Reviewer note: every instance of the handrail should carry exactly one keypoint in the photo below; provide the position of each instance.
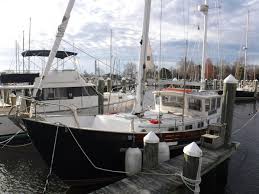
(72, 108)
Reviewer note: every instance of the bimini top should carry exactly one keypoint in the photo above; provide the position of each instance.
(45, 53)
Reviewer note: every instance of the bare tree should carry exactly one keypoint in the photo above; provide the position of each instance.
(130, 70)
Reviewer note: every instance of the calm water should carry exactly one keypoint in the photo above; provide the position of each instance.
(23, 171)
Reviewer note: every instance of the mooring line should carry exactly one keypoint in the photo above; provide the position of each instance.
(51, 163)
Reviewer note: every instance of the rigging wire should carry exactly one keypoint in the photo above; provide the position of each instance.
(218, 39)
(90, 55)
(160, 48)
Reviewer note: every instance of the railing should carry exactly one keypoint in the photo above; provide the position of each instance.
(32, 108)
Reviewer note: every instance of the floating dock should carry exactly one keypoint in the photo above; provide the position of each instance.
(159, 180)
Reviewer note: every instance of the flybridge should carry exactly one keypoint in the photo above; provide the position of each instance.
(45, 53)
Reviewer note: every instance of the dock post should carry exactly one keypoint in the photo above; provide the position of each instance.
(150, 155)
(109, 85)
(229, 94)
(100, 89)
(192, 167)
(206, 84)
(215, 84)
(6, 96)
(255, 85)
(221, 84)
(123, 84)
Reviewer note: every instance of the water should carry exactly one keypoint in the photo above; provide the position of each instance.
(23, 171)
(244, 167)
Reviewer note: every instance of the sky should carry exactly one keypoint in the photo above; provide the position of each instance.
(91, 22)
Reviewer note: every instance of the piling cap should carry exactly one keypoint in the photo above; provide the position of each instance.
(230, 80)
(100, 78)
(151, 137)
(193, 150)
(123, 78)
(108, 78)
(12, 95)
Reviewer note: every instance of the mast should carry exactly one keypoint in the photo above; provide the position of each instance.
(61, 30)
(29, 58)
(246, 46)
(204, 9)
(16, 57)
(138, 108)
(23, 51)
(111, 55)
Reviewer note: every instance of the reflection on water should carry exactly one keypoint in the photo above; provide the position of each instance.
(23, 171)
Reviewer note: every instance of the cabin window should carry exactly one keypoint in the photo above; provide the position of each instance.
(48, 94)
(60, 93)
(218, 102)
(148, 58)
(54, 93)
(187, 127)
(173, 129)
(172, 101)
(67, 93)
(195, 104)
(200, 124)
(207, 104)
(210, 106)
(213, 103)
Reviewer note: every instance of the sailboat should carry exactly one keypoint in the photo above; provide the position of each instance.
(91, 149)
(246, 90)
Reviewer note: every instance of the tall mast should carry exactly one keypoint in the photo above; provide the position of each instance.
(138, 108)
(29, 58)
(111, 55)
(23, 51)
(61, 30)
(204, 9)
(16, 58)
(246, 46)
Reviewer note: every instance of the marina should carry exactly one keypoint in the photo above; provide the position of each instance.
(126, 124)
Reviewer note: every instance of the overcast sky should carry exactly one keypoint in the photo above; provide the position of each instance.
(92, 20)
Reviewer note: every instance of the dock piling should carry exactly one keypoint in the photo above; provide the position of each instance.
(255, 87)
(109, 85)
(100, 89)
(123, 84)
(150, 155)
(192, 168)
(229, 93)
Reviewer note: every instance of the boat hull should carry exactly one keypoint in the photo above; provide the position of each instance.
(105, 149)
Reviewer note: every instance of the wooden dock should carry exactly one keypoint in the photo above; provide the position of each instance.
(158, 180)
